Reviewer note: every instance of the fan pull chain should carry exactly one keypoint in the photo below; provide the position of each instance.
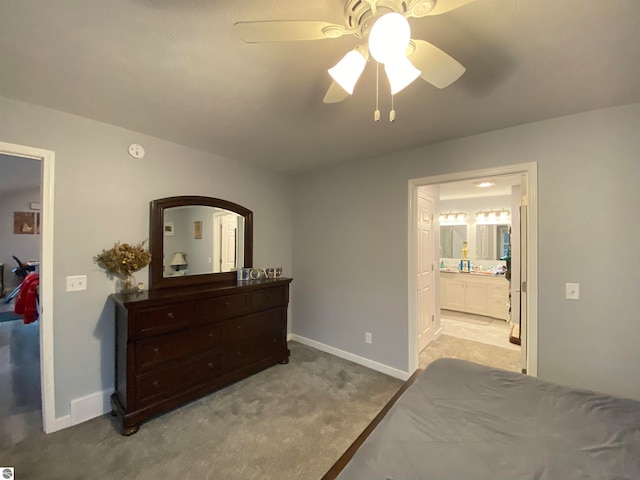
(376, 114)
(392, 113)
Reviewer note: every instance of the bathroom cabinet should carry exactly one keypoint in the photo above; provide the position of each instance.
(479, 294)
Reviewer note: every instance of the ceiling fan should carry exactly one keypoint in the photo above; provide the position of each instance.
(383, 26)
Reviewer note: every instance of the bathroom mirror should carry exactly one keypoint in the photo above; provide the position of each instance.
(492, 241)
(198, 240)
(451, 238)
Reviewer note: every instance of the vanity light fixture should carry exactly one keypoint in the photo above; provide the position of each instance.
(453, 218)
(493, 216)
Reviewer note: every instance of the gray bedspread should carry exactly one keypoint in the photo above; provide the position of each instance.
(460, 420)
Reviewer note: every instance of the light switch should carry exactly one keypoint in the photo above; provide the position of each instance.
(76, 283)
(573, 291)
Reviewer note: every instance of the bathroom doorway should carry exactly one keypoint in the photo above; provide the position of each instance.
(459, 204)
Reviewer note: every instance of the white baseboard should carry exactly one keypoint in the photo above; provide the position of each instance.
(91, 406)
(379, 367)
(60, 423)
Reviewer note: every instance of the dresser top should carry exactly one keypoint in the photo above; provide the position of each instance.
(184, 293)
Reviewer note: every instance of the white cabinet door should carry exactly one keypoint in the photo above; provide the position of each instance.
(453, 298)
(477, 296)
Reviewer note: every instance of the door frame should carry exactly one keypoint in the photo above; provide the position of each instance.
(531, 334)
(47, 384)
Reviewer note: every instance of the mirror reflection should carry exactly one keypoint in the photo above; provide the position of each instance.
(200, 239)
(492, 241)
(451, 239)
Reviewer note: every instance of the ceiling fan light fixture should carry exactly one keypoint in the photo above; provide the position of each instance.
(348, 70)
(401, 73)
(389, 37)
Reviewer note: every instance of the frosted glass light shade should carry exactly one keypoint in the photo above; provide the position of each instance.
(400, 72)
(348, 70)
(389, 37)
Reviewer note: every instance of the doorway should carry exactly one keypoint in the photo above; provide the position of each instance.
(45, 325)
(526, 285)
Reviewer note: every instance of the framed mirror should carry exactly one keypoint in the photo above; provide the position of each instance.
(451, 238)
(492, 241)
(197, 240)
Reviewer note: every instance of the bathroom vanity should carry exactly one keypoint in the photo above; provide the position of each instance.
(477, 293)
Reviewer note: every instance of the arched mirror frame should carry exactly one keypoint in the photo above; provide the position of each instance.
(156, 241)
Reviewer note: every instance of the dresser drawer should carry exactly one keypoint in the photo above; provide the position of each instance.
(156, 350)
(268, 297)
(168, 318)
(165, 382)
(219, 308)
(257, 324)
(256, 348)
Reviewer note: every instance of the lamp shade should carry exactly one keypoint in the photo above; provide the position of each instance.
(400, 72)
(389, 37)
(348, 70)
(178, 260)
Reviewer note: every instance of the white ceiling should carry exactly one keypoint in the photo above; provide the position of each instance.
(502, 185)
(177, 70)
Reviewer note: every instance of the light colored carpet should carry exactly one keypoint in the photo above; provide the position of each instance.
(289, 422)
(452, 347)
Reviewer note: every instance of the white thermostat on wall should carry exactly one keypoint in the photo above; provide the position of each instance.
(136, 151)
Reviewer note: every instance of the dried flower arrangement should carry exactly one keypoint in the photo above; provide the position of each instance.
(124, 259)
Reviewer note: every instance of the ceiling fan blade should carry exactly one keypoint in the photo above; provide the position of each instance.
(335, 94)
(438, 68)
(441, 6)
(288, 31)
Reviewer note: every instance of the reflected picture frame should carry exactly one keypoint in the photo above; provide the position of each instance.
(168, 229)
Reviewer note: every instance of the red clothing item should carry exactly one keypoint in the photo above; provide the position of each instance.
(26, 303)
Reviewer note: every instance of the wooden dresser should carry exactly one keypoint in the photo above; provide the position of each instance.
(175, 345)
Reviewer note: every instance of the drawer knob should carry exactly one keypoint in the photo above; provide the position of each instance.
(170, 315)
(210, 364)
(275, 340)
(227, 304)
(210, 334)
(155, 383)
(239, 354)
(156, 351)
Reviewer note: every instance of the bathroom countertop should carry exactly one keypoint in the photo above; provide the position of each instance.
(484, 273)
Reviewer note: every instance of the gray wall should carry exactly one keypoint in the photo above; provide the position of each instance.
(350, 245)
(101, 196)
(25, 247)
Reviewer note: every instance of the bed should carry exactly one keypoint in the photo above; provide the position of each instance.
(460, 420)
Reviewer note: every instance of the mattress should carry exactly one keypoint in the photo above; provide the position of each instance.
(460, 420)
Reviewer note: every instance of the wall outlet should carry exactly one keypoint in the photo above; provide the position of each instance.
(76, 283)
(367, 337)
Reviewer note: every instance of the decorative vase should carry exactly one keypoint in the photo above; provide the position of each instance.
(126, 284)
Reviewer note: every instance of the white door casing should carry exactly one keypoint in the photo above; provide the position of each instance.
(529, 173)
(425, 271)
(523, 286)
(47, 380)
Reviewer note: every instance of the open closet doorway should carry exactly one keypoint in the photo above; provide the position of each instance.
(42, 209)
(485, 282)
